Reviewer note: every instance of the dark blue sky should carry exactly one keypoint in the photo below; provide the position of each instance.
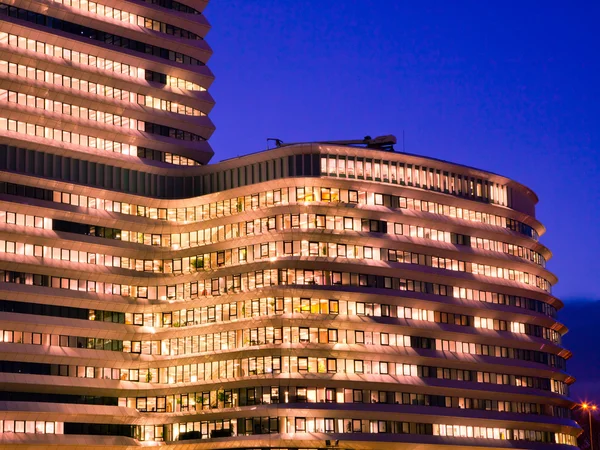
(510, 87)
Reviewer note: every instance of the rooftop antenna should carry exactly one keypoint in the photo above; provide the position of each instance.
(403, 148)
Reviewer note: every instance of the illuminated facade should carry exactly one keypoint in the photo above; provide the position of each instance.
(309, 296)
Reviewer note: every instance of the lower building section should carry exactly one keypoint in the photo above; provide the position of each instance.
(295, 312)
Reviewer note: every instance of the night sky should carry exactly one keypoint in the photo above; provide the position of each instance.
(509, 87)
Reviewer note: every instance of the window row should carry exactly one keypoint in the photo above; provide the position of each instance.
(124, 16)
(74, 83)
(83, 113)
(70, 110)
(57, 51)
(31, 426)
(242, 338)
(252, 253)
(310, 221)
(103, 37)
(174, 133)
(281, 222)
(467, 431)
(25, 220)
(415, 175)
(166, 157)
(168, 105)
(268, 395)
(73, 399)
(56, 134)
(256, 280)
(175, 82)
(467, 214)
(69, 312)
(477, 322)
(258, 336)
(198, 372)
(236, 205)
(267, 307)
(465, 293)
(458, 265)
(472, 241)
(27, 337)
(323, 194)
(294, 425)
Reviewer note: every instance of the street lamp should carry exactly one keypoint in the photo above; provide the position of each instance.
(589, 408)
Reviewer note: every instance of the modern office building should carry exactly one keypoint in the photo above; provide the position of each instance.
(310, 296)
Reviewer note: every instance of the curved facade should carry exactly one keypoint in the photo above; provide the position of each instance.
(310, 296)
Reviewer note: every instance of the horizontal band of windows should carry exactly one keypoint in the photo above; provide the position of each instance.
(417, 176)
(268, 425)
(250, 337)
(274, 169)
(208, 314)
(283, 394)
(56, 79)
(213, 287)
(56, 51)
(461, 213)
(250, 281)
(172, 81)
(165, 240)
(251, 253)
(277, 249)
(93, 115)
(273, 365)
(67, 312)
(97, 35)
(166, 157)
(304, 194)
(30, 426)
(68, 109)
(125, 16)
(255, 308)
(86, 59)
(300, 425)
(88, 113)
(255, 280)
(267, 395)
(100, 429)
(304, 221)
(56, 340)
(57, 134)
(470, 294)
(174, 133)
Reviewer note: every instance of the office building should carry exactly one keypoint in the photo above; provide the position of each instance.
(310, 296)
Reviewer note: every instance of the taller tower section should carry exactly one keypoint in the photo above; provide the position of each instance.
(111, 81)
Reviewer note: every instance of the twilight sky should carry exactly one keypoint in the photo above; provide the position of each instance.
(510, 87)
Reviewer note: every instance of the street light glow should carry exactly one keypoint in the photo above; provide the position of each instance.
(589, 407)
